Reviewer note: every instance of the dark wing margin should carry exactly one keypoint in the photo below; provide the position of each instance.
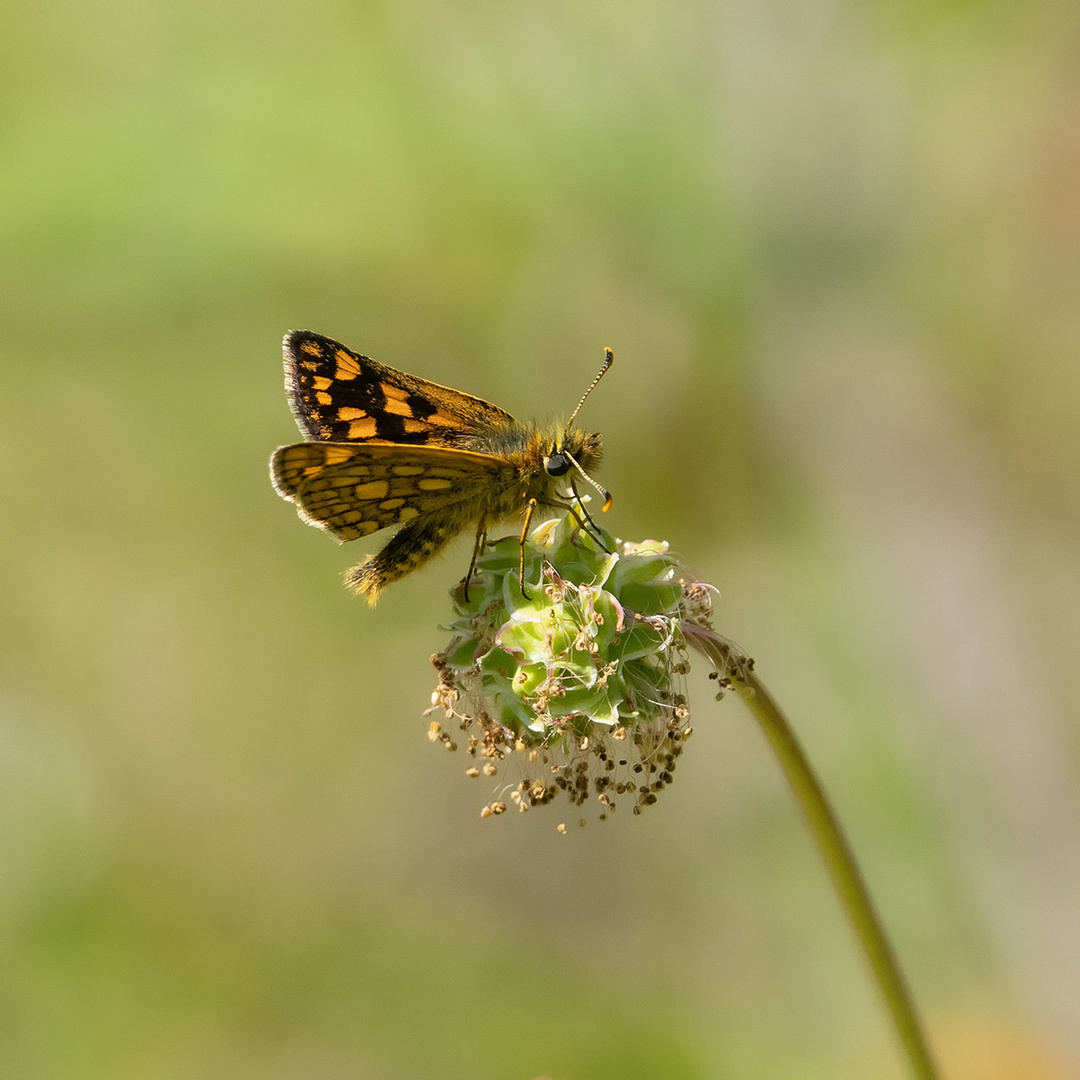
(337, 395)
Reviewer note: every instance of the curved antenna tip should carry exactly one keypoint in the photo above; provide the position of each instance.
(609, 358)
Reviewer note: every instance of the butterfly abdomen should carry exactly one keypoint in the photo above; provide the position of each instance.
(407, 550)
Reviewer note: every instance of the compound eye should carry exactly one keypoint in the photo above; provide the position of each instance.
(558, 464)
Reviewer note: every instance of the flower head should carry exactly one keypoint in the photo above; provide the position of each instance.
(575, 686)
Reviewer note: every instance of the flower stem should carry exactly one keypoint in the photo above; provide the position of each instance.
(830, 839)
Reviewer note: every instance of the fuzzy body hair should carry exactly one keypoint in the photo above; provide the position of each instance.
(523, 450)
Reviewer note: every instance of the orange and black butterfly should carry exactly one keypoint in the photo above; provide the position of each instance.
(391, 449)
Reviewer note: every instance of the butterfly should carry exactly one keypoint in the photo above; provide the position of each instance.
(390, 449)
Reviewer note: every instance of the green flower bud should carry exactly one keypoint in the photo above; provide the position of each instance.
(577, 683)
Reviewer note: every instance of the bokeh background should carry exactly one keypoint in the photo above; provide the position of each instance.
(836, 248)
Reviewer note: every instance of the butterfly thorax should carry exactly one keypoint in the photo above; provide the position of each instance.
(539, 454)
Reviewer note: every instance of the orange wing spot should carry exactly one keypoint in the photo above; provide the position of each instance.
(308, 365)
(430, 483)
(323, 398)
(352, 517)
(321, 382)
(398, 408)
(411, 426)
(311, 348)
(347, 367)
(366, 528)
(332, 455)
(407, 470)
(391, 504)
(393, 393)
(443, 420)
(362, 429)
(408, 514)
(373, 489)
(348, 412)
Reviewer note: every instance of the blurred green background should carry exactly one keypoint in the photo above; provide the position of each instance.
(836, 248)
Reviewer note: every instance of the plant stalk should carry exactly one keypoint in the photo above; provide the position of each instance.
(831, 842)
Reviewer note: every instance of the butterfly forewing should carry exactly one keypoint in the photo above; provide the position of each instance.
(354, 490)
(340, 396)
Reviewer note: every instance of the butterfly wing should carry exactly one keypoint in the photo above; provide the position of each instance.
(338, 395)
(354, 490)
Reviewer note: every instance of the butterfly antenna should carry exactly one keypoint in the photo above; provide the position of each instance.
(609, 359)
(603, 491)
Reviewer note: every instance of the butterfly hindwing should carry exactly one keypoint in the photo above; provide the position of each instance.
(354, 490)
(340, 396)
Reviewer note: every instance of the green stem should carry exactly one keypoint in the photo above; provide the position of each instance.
(830, 839)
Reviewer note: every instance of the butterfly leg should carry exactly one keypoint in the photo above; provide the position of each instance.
(572, 510)
(478, 547)
(525, 532)
(591, 528)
